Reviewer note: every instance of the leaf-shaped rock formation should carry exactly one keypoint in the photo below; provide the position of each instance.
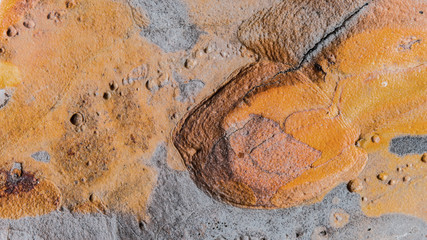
(279, 134)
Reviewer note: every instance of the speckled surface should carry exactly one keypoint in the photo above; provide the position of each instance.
(108, 107)
(179, 210)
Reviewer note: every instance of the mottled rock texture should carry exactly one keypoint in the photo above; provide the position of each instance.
(171, 119)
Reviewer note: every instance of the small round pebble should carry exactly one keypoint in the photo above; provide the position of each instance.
(376, 138)
(29, 24)
(355, 185)
(70, 4)
(406, 178)
(190, 63)
(382, 176)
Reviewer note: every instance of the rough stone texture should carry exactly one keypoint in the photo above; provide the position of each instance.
(168, 24)
(5, 96)
(328, 122)
(291, 31)
(188, 89)
(41, 156)
(212, 152)
(272, 104)
(405, 145)
(185, 212)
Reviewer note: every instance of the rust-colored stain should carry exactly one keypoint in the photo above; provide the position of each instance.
(281, 165)
(61, 66)
(282, 130)
(284, 133)
(21, 190)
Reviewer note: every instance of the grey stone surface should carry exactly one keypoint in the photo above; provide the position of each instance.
(189, 90)
(41, 156)
(180, 210)
(170, 27)
(404, 145)
(5, 96)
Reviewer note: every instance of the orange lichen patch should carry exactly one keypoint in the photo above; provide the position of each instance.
(9, 75)
(382, 49)
(48, 42)
(277, 163)
(290, 138)
(384, 198)
(279, 102)
(388, 70)
(97, 145)
(308, 127)
(21, 194)
(287, 31)
(11, 12)
(382, 96)
(211, 156)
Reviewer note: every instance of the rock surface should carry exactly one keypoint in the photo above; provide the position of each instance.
(171, 119)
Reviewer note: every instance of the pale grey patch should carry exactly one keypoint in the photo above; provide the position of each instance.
(41, 156)
(61, 225)
(5, 96)
(189, 90)
(21, 235)
(17, 166)
(169, 27)
(405, 145)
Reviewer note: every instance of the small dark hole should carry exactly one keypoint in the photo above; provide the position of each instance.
(369, 229)
(142, 225)
(318, 68)
(107, 95)
(11, 32)
(421, 12)
(77, 119)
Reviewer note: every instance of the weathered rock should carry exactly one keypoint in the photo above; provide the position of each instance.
(292, 30)
(221, 143)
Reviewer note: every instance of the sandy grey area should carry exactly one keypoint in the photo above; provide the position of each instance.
(404, 145)
(169, 25)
